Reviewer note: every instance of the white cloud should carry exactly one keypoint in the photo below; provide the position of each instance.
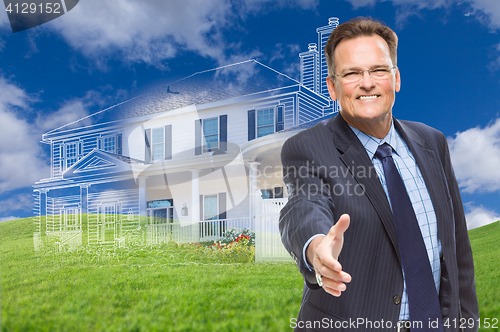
(362, 3)
(13, 95)
(69, 112)
(252, 6)
(281, 52)
(8, 218)
(77, 108)
(475, 154)
(4, 20)
(478, 216)
(23, 160)
(490, 8)
(157, 30)
(420, 4)
(486, 11)
(18, 202)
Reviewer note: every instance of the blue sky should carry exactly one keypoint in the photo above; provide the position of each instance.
(103, 52)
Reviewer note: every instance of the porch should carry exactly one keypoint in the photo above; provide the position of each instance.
(202, 231)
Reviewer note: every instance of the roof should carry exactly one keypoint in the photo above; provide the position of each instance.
(236, 80)
(123, 158)
(310, 124)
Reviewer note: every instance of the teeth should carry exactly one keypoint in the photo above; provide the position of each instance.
(368, 97)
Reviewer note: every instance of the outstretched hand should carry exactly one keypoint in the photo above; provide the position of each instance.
(325, 251)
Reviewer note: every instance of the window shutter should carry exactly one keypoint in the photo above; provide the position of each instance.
(251, 125)
(223, 132)
(168, 142)
(80, 150)
(147, 140)
(202, 215)
(222, 206)
(280, 123)
(119, 149)
(99, 143)
(197, 137)
(63, 158)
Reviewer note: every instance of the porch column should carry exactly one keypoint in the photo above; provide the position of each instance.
(142, 196)
(43, 210)
(253, 186)
(195, 195)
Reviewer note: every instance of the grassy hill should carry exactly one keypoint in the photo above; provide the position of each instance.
(485, 242)
(167, 289)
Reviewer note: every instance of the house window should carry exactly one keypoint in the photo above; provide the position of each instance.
(158, 144)
(211, 134)
(276, 192)
(161, 212)
(109, 143)
(160, 204)
(210, 208)
(71, 154)
(265, 122)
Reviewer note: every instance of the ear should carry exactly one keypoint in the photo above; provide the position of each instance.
(331, 87)
(398, 81)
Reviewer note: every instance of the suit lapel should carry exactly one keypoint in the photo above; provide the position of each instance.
(354, 157)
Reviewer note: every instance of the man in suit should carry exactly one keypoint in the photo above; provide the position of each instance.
(347, 227)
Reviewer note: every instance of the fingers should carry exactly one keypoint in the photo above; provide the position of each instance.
(334, 283)
(334, 287)
(337, 276)
(325, 258)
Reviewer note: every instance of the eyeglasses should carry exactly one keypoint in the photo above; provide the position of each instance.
(376, 74)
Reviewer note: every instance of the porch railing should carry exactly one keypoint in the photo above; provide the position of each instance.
(160, 233)
(70, 239)
(211, 230)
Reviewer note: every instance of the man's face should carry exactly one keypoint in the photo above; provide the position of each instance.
(367, 102)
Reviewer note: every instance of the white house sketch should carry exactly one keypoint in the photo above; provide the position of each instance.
(187, 161)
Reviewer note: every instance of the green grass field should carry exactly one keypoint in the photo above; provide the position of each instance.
(485, 242)
(168, 290)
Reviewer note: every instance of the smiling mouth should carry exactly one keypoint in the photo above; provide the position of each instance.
(368, 97)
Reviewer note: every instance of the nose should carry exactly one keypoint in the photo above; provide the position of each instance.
(366, 81)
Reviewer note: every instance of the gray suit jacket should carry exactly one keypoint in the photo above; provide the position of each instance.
(328, 173)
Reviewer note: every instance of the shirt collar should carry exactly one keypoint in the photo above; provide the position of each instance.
(371, 143)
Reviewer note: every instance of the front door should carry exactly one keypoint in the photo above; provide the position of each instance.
(109, 226)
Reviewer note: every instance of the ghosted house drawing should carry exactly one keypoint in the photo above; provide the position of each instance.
(186, 161)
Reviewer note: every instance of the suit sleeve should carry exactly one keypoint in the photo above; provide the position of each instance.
(309, 210)
(467, 288)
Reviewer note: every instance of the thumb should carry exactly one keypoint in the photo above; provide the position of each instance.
(336, 234)
(337, 230)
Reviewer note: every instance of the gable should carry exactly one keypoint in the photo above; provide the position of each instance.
(97, 163)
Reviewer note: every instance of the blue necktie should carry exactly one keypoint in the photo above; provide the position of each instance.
(423, 299)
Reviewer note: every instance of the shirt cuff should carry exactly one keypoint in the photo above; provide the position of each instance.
(305, 247)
